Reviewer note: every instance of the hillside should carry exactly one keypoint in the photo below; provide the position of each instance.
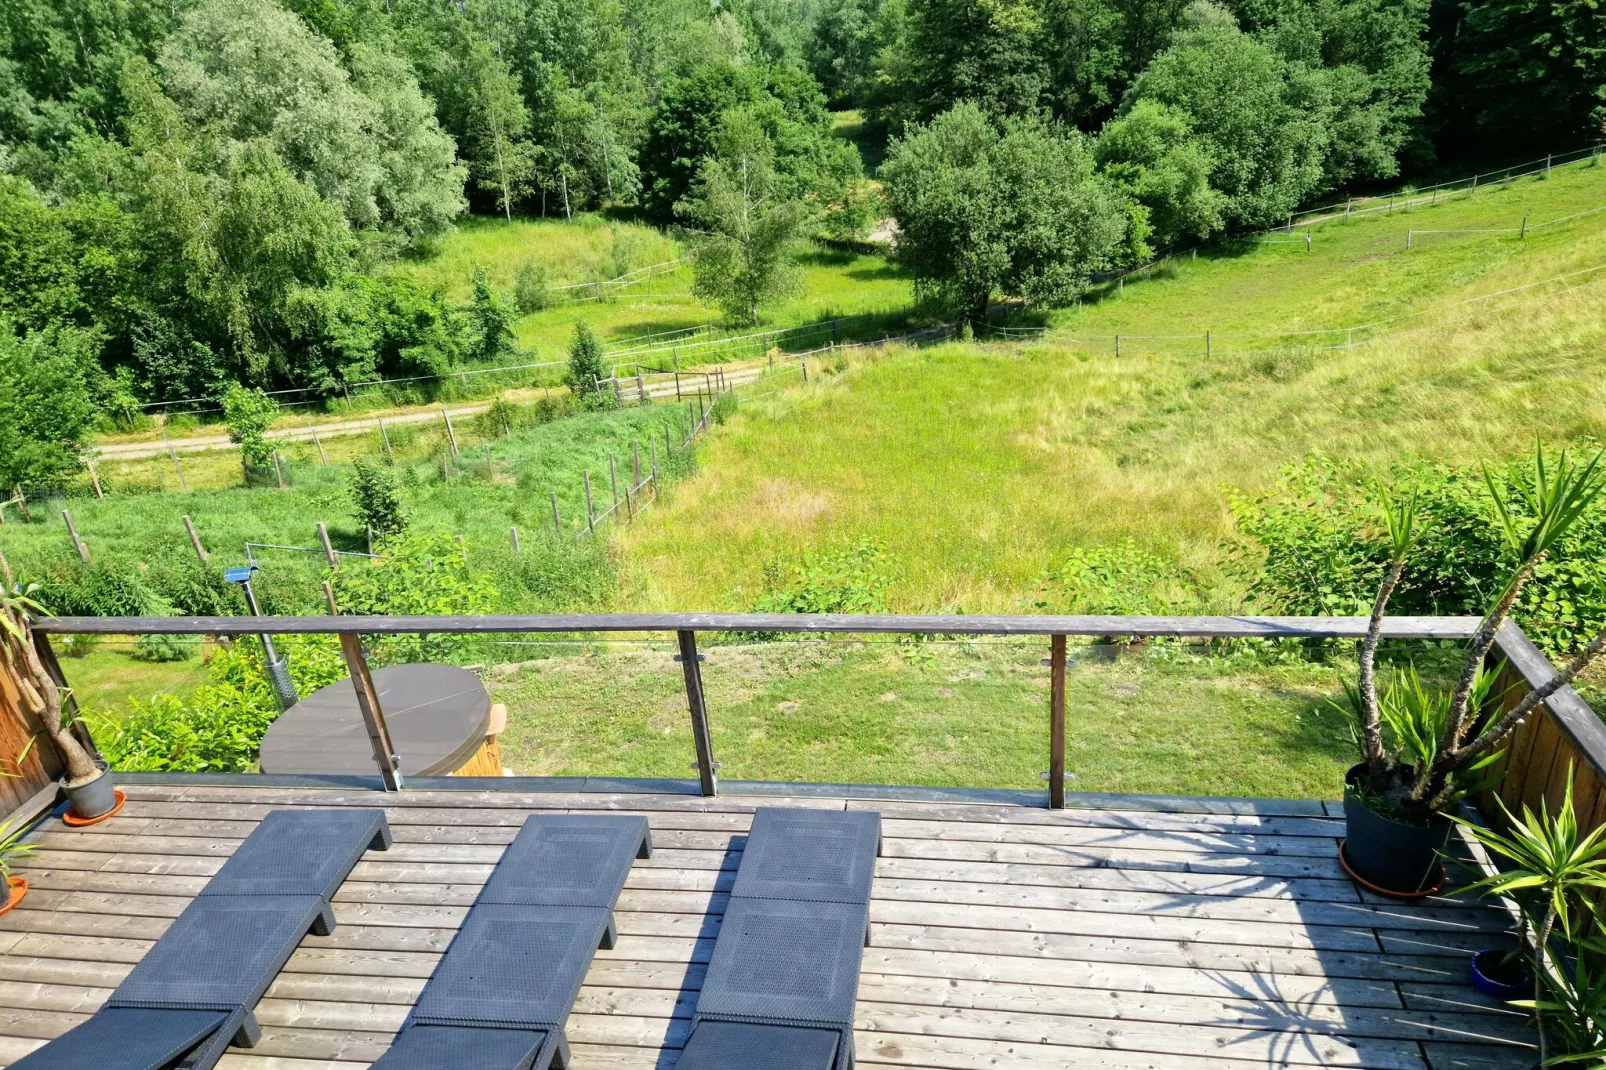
(979, 465)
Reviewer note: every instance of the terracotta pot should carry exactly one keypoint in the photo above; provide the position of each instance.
(18, 888)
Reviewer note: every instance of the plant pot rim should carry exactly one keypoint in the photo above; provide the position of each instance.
(16, 888)
(72, 820)
(1438, 816)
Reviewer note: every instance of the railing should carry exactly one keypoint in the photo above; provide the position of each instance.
(1565, 730)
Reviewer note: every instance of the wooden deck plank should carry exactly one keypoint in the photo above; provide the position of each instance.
(1124, 933)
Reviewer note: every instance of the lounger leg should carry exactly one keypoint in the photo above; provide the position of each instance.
(645, 850)
(382, 839)
(610, 935)
(249, 1032)
(324, 923)
(554, 1054)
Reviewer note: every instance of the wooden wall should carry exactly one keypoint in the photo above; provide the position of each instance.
(1566, 734)
(21, 781)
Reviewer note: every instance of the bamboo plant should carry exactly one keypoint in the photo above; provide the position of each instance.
(1541, 506)
(42, 697)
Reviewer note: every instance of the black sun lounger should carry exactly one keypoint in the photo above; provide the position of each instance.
(193, 993)
(784, 977)
(499, 998)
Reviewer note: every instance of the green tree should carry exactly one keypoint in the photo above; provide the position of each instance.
(1014, 207)
(376, 500)
(1150, 152)
(249, 413)
(741, 255)
(1243, 106)
(586, 371)
(1530, 74)
(532, 287)
(47, 403)
(492, 320)
(959, 50)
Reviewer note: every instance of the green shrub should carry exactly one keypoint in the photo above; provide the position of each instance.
(501, 419)
(249, 414)
(376, 499)
(425, 575)
(724, 407)
(586, 371)
(1316, 546)
(849, 577)
(532, 288)
(166, 648)
(218, 727)
(1118, 580)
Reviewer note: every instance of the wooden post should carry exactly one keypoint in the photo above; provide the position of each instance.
(613, 480)
(329, 599)
(278, 468)
(1408, 236)
(94, 478)
(630, 507)
(451, 435)
(385, 438)
(1117, 345)
(328, 548)
(171, 452)
(316, 441)
(707, 770)
(78, 544)
(1207, 344)
(1523, 236)
(195, 540)
(641, 388)
(1056, 723)
(591, 515)
(635, 464)
(805, 366)
(618, 398)
(677, 384)
(514, 532)
(1307, 241)
(654, 443)
(373, 717)
(557, 522)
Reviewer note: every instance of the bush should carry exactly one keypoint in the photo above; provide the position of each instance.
(376, 499)
(249, 413)
(425, 575)
(724, 407)
(532, 288)
(1119, 580)
(1317, 547)
(849, 577)
(492, 331)
(586, 371)
(166, 648)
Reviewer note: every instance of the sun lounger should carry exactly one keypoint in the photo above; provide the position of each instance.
(781, 987)
(499, 998)
(193, 993)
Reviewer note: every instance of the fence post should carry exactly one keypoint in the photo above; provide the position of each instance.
(328, 549)
(1408, 235)
(195, 539)
(1056, 723)
(94, 478)
(677, 383)
(591, 516)
(641, 388)
(278, 468)
(385, 437)
(1117, 345)
(630, 507)
(373, 717)
(805, 366)
(329, 599)
(1207, 344)
(78, 544)
(515, 533)
(618, 399)
(1307, 241)
(707, 769)
(653, 442)
(451, 435)
(557, 522)
(635, 464)
(1523, 236)
(613, 480)
(171, 452)
(316, 441)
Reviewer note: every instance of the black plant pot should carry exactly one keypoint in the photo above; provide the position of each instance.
(1392, 855)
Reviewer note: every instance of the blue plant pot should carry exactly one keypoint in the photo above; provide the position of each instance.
(1505, 991)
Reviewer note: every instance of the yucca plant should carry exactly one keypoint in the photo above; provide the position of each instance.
(12, 848)
(1553, 872)
(1534, 509)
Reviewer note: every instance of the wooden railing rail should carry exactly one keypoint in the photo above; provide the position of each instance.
(1563, 730)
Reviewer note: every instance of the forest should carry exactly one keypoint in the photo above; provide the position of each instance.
(201, 193)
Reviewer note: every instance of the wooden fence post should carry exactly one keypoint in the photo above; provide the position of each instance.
(385, 438)
(691, 669)
(94, 478)
(1056, 723)
(278, 468)
(514, 532)
(613, 480)
(316, 441)
(1207, 344)
(557, 522)
(195, 540)
(78, 544)
(328, 548)
(635, 464)
(451, 435)
(171, 452)
(591, 516)
(373, 717)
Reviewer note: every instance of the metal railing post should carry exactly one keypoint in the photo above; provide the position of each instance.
(1056, 723)
(691, 667)
(373, 717)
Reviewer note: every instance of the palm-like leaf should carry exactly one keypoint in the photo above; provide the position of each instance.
(1553, 498)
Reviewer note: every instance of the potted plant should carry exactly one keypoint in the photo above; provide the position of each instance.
(1554, 872)
(12, 848)
(88, 784)
(1423, 750)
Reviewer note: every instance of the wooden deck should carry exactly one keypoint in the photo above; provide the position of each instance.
(1129, 933)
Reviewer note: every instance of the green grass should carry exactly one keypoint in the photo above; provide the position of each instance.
(104, 679)
(980, 465)
(972, 715)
